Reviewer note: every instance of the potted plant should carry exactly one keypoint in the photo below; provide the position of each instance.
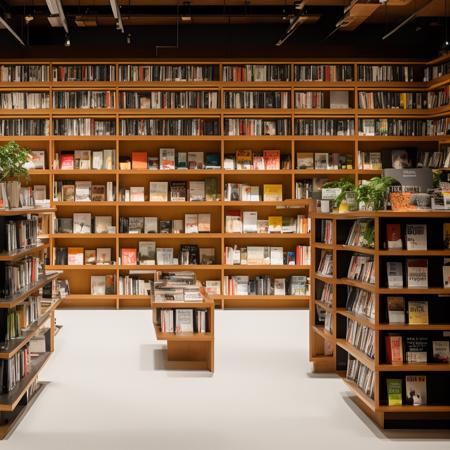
(13, 160)
(346, 186)
(372, 193)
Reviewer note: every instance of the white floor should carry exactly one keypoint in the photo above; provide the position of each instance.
(105, 392)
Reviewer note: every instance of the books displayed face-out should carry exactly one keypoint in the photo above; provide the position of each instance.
(416, 237)
(103, 255)
(102, 224)
(196, 191)
(394, 236)
(167, 158)
(441, 351)
(90, 256)
(416, 390)
(150, 225)
(417, 275)
(159, 191)
(184, 319)
(394, 274)
(82, 223)
(147, 252)
(83, 191)
(273, 193)
(37, 160)
(394, 391)
(129, 256)
(396, 309)
(75, 256)
(394, 349)
(418, 312)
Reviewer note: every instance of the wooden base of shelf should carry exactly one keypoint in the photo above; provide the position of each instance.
(266, 301)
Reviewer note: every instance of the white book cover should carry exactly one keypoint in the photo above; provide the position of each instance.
(37, 160)
(250, 220)
(196, 191)
(150, 225)
(102, 223)
(82, 223)
(416, 390)
(147, 252)
(279, 285)
(164, 256)
(184, 320)
(276, 256)
(84, 159)
(167, 158)
(98, 285)
(109, 156)
(103, 256)
(39, 192)
(212, 287)
(204, 223)
(159, 191)
(177, 226)
(395, 274)
(417, 273)
(255, 255)
(191, 223)
(97, 160)
(416, 237)
(83, 191)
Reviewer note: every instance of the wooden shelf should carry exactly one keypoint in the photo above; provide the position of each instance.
(22, 252)
(356, 353)
(356, 283)
(24, 211)
(426, 367)
(184, 337)
(363, 320)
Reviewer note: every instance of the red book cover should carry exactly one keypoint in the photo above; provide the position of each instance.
(129, 256)
(394, 235)
(272, 159)
(139, 160)
(394, 349)
(67, 161)
(298, 255)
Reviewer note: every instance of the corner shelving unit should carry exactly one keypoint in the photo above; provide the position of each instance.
(330, 351)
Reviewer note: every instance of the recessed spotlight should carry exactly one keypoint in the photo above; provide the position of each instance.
(129, 38)
(67, 41)
(29, 18)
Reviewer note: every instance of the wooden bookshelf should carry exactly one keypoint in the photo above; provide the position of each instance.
(188, 351)
(15, 403)
(290, 144)
(330, 350)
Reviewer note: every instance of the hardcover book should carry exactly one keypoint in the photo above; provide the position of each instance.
(396, 310)
(394, 349)
(75, 256)
(82, 223)
(139, 160)
(147, 252)
(273, 193)
(394, 391)
(150, 225)
(417, 273)
(102, 223)
(416, 237)
(195, 160)
(103, 255)
(191, 223)
(416, 349)
(394, 274)
(416, 390)
(441, 351)
(271, 159)
(159, 191)
(305, 160)
(167, 158)
(244, 160)
(129, 256)
(394, 236)
(204, 223)
(418, 312)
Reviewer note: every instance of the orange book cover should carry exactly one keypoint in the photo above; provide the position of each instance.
(139, 160)
(75, 256)
(272, 159)
(129, 256)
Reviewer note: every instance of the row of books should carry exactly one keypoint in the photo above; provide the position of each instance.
(326, 294)
(403, 127)
(361, 268)
(103, 284)
(265, 285)
(411, 312)
(24, 100)
(243, 192)
(257, 160)
(325, 127)
(78, 256)
(169, 99)
(325, 266)
(82, 160)
(416, 273)
(361, 337)
(84, 99)
(257, 127)
(84, 223)
(361, 233)
(192, 224)
(436, 71)
(24, 72)
(131, 285)
(322, 99)
(416, 349)
(247, 222)
(174, 191)
(326, 232)
(403, 100)
(14, 195)
(256, 72)
(360, 302)
(14, 321)
(18, 275)
(83, 191)
(410, 390)
(170, 159)
(84, 72)
(361, 375)
(262, 255)
(19, 233)
(304, 189)
(324, 161)
(84, 127)
(12, 370)
(180, 321)
(169, 127)
(385, 72)
(168, 72)
(435, 160)
(24, 127)
(323, 72)
(177, 287)
(257, 99)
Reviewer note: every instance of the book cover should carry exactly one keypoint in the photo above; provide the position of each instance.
(196, 191)
(137, 194)
(135, 225)
(271, 159)
(195, 160)
(441, 351)
(273, 192)
(394, 349)
(184, 321)
(416, 237)
(394, 391)
(98, 193)
(416, 390)
(103, 255)
(233, 221)
(75, 256)
(159, 191)
(244, 160)
(110, 283)
(178, 191)
(275, 224)
(191, 223)
(83, 191)
(177, 226)
(181, 160)
(276, 256)
(82, 223)
(147, 252)
(68, 193)
(394, 236)
(150, 225)
(98, 285)
(401, 159)
(394, 274)
(416, 349)
(37, 159)
(129, 256)
(305, 160)
(417, 273)
(418, 312)
(396, 310)
(102, 223)
(321, 161)
(167, 158)
(249, 221)
(139, 160)
(446, 273)
(90, 256)
(204, 223)
(279, 286)
(207, 256)
(67, 161)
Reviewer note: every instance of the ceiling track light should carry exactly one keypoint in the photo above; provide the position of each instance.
(5, 24)
(57, 17)
(67, 41)
(117, 15)
(295, 22)
(186, 12)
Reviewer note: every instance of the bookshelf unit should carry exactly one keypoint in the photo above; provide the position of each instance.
(15, 403)
(332, 346)
(233, 84)
(188, 351)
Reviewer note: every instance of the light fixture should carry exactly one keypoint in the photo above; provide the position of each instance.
(57, 17)
(129, 38)
(116, 13)
(67, 41)
(4, 24)
(186, 12)
(294, 23)
(28, 18)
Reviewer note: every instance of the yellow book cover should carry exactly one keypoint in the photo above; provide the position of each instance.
(275, 224)
(273, 192)
(403, 103)
(418, 312)
(244, 160)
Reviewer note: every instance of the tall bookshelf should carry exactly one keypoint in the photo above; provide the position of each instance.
(332, 347)
(285, 80)
(17, 398)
